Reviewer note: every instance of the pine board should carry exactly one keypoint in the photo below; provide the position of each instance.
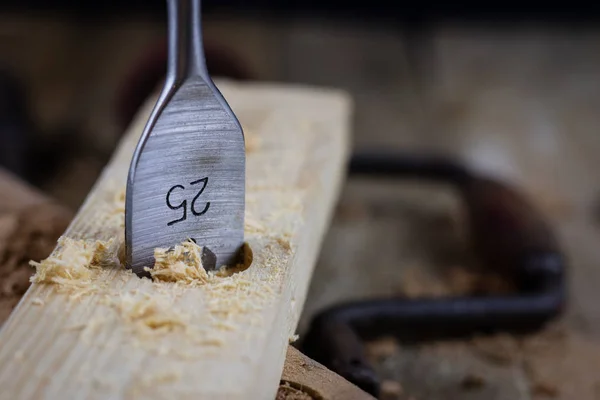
(231, 334)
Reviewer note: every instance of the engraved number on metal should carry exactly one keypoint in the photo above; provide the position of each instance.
(184, 203)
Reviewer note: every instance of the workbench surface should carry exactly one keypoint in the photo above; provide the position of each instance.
(521, 102)
(518, 103)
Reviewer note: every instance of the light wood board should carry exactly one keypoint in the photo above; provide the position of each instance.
(229, 337)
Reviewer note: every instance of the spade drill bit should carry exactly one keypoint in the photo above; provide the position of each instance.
(187, 175)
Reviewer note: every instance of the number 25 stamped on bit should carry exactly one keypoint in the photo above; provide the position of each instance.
(200, 184)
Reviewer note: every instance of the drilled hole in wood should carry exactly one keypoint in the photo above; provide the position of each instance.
(245, 258)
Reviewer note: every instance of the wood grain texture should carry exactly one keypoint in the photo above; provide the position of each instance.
(231, 334)
(303, 373)
(30, 223)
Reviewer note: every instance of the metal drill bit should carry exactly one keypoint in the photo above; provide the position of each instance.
(187, 175)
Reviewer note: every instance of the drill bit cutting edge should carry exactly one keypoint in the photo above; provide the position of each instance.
(187, 174)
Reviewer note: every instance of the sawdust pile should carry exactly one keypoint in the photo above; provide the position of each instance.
(147, 309)
(147, 313)
(289, 392)
(73, 263)
(221, 301)
(183, 263)
(183, 312)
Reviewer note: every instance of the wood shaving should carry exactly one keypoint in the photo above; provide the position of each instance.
(293, 338)
(147, 313)
(288, 392)
(183, 263)
(72, 264)
(37, 302)
(284, 243)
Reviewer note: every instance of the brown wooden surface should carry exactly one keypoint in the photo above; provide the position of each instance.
(302, 373)
(30, 223)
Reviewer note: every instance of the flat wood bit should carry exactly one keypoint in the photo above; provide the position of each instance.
(187, 174)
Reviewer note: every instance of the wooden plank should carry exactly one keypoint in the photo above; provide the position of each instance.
(30, 223)
(118, 336)
(306, 376)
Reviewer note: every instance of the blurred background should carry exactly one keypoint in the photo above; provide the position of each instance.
(510, 89)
